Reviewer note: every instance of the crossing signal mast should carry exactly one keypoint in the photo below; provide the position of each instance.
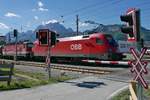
(132, 18)
(47, 38)
(132, 28)
(15, 32)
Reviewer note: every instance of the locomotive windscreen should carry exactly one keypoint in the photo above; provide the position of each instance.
(111, 40)
(100, 42)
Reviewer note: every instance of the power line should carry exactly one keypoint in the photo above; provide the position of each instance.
(96, 11)
(100, 8)
(81, 9)
(91, 6)
(95, 5)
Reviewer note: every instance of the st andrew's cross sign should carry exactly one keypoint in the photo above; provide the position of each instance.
(139, 66)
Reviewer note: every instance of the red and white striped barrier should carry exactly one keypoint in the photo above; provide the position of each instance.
(108, 62)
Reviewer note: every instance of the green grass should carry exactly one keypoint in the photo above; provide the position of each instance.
(19, 84)
(125, 95)
(147, 93)
(39, 76)
(31, 80)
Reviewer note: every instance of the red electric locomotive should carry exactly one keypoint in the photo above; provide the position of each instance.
(23, 49)
(95, 46)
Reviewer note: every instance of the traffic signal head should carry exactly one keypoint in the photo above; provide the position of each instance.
(15, 32)
(127, 18)
(46, 37)
(128, 29)
(53, 38)
(43, 36)
(132, 28)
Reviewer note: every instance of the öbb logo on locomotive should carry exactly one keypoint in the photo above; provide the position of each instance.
(76, 46)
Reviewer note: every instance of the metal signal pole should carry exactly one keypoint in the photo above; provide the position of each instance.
(139, 46)
(9, 38)
(77, 23)
(16, 48)
(49, 55)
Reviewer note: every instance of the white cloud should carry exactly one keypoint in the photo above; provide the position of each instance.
(40, 4)
(10, 14)
(81, 24)
(42, 9)
(50, 21)
(33, 9)
(36, 17)
(3, 26)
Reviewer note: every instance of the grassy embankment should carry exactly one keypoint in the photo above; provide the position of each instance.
(125, 95)
(27, 80)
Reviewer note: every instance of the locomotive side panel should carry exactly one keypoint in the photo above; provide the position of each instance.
(75, 48)
(22, 50)
(39, 50)
(95, 46)
(98, 48)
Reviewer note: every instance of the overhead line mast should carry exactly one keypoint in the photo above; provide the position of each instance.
(77, 24)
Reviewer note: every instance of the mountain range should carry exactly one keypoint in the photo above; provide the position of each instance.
(66, 32)
(31, 36)
(115, 30)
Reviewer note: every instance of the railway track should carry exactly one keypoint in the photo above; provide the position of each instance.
(72, 68)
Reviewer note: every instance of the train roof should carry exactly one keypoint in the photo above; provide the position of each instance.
(81, 37)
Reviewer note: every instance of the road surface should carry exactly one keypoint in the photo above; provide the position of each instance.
(87, 88)
(84, 88)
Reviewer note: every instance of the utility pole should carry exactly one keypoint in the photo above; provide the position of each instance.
(77, 23)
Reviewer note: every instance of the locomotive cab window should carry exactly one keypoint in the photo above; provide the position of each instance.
(99, 41)
(111, 41)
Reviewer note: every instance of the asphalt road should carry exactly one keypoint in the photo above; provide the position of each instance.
(87, 88)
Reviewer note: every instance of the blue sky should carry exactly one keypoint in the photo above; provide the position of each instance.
(31, 13)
